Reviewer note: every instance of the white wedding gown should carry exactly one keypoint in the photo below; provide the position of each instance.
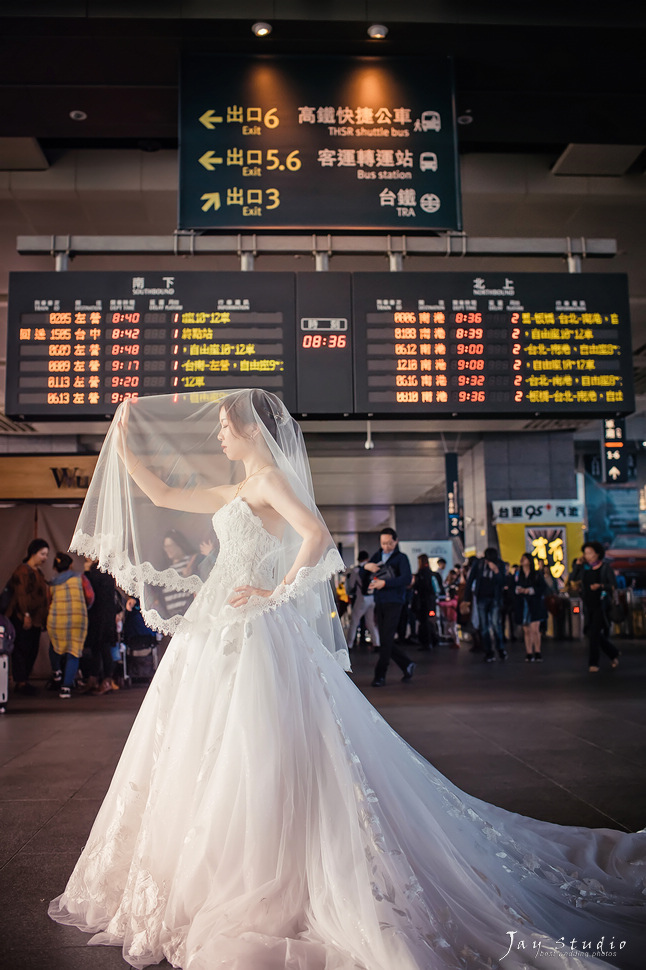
(263, 816)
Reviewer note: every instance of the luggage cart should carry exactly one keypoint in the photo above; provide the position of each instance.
(123, 660)
(4, 682)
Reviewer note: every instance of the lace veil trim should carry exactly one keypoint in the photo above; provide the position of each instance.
(130, 577)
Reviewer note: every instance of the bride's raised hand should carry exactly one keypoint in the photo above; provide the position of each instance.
(124, 417)
(242, 594)
(122, 429)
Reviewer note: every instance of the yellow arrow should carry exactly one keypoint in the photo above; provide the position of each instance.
(209, 161)
(209, 119)
(212, 201)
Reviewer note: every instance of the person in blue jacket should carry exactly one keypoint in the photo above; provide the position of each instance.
(391, 578)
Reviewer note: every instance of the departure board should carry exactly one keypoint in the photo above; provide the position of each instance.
(433, 343)
(329, 142)
(329, 344)
(80, 343)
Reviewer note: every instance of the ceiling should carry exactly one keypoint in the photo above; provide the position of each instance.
(552, 103)
(567, 72)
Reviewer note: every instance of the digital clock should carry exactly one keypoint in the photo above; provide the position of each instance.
(323, 302)
(332, 340)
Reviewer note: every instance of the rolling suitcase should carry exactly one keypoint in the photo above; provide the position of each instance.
(7, 637)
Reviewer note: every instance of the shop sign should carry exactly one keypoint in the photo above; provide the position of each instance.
(547, 547)
(537, 510)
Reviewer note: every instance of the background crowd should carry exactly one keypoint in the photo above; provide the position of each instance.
(98, 639)
(483, 603)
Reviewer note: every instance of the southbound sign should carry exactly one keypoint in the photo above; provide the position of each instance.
(349, 143)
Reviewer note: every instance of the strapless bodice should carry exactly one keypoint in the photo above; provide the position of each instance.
(248, 553)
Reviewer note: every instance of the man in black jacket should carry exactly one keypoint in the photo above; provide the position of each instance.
(391, 578)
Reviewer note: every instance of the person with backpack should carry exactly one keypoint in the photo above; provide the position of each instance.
(485, 585)
(363, 602)
(72, 596)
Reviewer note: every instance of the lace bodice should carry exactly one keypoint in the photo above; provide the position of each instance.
(248, 553)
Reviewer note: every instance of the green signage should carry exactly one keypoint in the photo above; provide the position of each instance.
(315, 143)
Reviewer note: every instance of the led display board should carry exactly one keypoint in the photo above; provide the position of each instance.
(328, 343)
(80, 343)
(318, 143)
(433, 343)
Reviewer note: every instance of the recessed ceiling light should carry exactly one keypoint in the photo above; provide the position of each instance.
(377, 31)
(465, 119)
(261, 29)
(78, 116)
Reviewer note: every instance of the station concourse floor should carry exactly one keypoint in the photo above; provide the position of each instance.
(548, 740)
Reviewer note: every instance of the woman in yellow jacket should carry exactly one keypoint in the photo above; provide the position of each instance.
(72, 596)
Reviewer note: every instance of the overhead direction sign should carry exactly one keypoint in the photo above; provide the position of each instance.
(318, 143)
(455, 520)
(614, 451)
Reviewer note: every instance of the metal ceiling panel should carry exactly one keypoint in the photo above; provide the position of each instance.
(21, 154)
(605, 160)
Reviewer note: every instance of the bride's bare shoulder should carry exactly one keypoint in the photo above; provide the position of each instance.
(274, 475)
(265, 488)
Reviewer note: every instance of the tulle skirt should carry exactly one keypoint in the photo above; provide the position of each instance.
(264, 816)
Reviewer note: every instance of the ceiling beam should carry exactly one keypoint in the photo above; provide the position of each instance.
(191, 244)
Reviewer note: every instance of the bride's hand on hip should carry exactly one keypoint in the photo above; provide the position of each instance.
(242, 594)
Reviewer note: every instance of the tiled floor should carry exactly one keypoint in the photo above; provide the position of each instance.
(547, 740)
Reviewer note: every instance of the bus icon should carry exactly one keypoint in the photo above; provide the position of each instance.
(428, 162)
(431, 121)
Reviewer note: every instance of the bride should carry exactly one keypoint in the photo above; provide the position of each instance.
(263, 816)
